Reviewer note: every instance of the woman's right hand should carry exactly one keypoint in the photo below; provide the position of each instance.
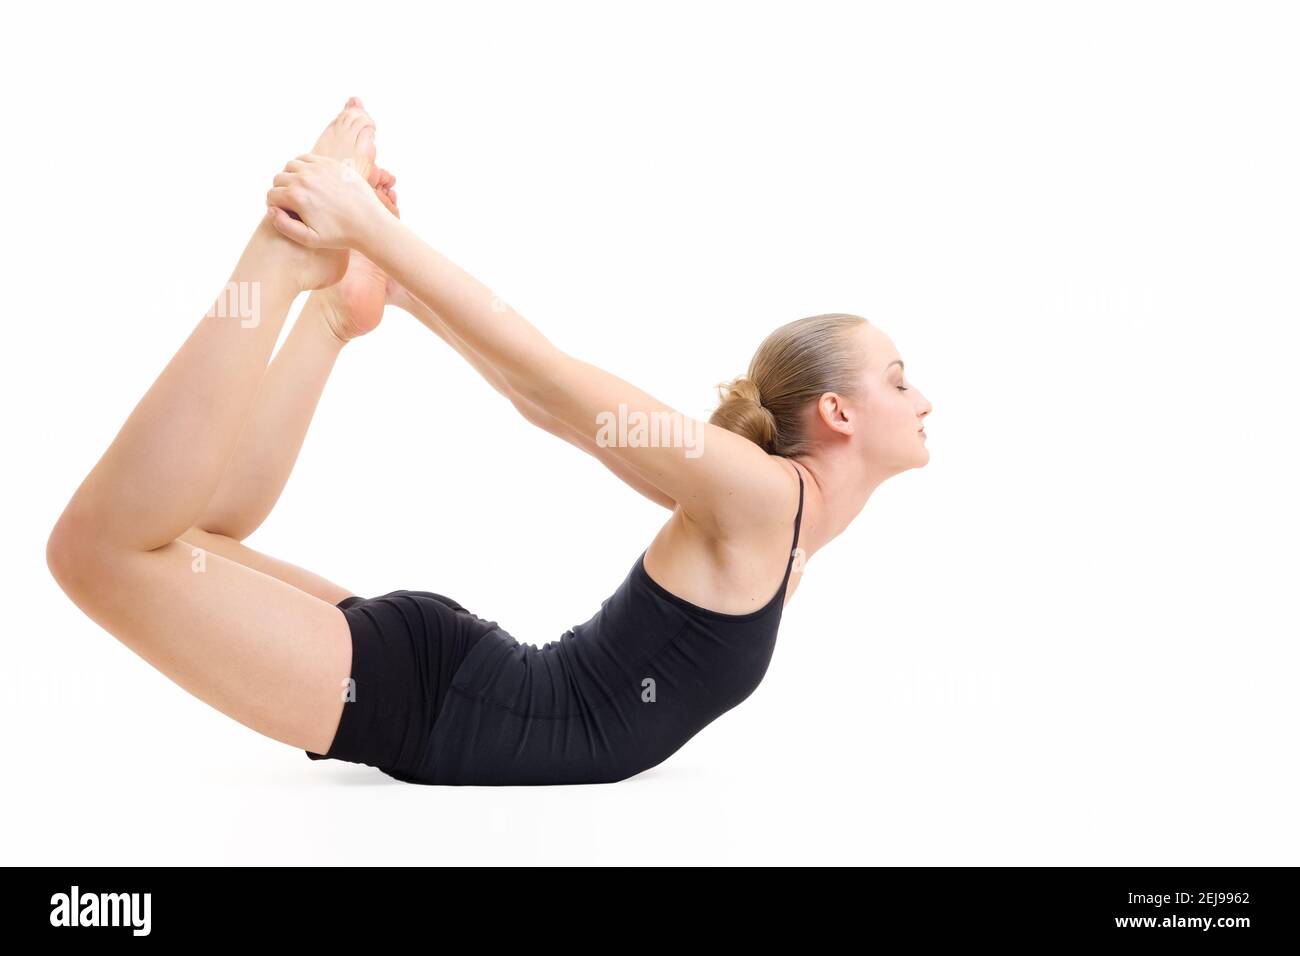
(336, 207)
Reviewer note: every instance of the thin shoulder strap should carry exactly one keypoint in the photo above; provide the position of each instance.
(798, 519)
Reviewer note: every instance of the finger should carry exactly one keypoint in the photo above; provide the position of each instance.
(286, 199)
(284, 179)
(279, 196)
(299, 232)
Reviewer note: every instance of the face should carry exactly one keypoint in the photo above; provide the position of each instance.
(887, 416)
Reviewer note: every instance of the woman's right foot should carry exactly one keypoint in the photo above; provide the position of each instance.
(350, 137)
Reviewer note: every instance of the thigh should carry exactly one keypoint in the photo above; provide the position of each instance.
(241, 553)
(261, 651)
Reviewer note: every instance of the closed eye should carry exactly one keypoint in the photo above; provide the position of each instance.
(901, 388)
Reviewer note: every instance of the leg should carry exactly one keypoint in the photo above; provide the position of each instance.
(272, 438)
(290, 391)
(286, 401)
(262, 651)
(252, 482)
(207, 542)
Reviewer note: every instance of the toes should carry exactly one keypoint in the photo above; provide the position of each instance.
(357, 118)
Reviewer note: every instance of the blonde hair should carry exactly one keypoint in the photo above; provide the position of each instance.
(795, 365)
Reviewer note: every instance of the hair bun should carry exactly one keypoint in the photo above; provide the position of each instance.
(745, 389)
(742, 411)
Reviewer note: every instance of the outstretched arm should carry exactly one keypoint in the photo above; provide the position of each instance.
(729, 488)
(531, 412)
(720, 479)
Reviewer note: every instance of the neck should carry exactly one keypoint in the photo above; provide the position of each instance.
(838, 494)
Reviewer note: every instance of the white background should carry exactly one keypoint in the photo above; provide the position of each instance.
(1067, 640)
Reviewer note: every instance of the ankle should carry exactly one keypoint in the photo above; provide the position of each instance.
(331, 316)
(306, 269)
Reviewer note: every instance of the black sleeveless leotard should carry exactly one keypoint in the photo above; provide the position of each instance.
(445, 697)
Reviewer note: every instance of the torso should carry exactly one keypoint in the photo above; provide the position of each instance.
(732, 577)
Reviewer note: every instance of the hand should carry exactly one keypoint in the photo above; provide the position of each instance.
(336, 207)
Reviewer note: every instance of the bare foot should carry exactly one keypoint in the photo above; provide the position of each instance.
(355, 306)
(349, 138)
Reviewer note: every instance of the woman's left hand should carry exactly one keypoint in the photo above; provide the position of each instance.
(335, 205)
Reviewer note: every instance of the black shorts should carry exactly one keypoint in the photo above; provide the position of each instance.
(406, 648)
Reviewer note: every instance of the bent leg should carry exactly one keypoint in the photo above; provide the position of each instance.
(272, 437)
(286, 401)
(256, 648)
(260, 650)
(288, 396)
(203, 542)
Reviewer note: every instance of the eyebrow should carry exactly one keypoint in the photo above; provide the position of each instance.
(898, 362)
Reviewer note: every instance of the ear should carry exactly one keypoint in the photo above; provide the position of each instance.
(834, 412)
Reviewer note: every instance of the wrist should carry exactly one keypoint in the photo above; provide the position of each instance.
(375, 235)
(399, 298)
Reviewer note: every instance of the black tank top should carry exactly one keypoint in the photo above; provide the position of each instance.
(612, 697)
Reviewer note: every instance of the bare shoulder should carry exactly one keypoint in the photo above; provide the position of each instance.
(760, 492)
(736, 567)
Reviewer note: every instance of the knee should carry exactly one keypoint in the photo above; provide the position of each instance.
(213, 529)
(73, 552)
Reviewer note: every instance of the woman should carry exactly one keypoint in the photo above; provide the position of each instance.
(411, 682)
